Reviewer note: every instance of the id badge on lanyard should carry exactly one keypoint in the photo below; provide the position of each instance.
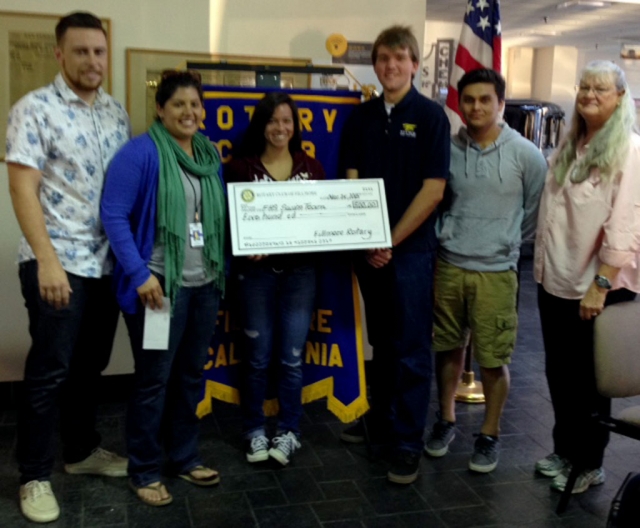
(196, 235)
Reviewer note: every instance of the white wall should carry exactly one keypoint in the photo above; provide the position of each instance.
(565, 64)
(434, 30)
(286, 28)
(519, 72)
(554, 72)
(543, 70)
(299, 28)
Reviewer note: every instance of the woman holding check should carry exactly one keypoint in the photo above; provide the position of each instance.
(163, 210)
(277, 292)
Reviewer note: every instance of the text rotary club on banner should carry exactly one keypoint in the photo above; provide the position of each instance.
(321, 114)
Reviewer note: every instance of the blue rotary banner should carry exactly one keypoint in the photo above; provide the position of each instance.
(334, 357)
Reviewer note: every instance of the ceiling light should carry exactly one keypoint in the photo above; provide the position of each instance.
(583, 4)
(542, 33)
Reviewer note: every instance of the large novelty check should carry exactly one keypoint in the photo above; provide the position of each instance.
(305, 216)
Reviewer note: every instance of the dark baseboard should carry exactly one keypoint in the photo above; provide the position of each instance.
(112, 389)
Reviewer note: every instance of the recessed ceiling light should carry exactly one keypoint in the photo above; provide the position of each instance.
(543, 33)
(583, 4)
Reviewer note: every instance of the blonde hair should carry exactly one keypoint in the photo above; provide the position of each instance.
(609, 146)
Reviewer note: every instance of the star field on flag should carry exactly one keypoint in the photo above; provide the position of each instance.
(480, 46)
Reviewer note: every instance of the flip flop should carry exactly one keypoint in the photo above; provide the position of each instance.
(157, 487)
(206, 481)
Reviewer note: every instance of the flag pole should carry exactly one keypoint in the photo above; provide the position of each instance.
(480, 46)
(469, 390)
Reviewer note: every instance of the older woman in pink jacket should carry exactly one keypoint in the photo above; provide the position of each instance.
(586, 258)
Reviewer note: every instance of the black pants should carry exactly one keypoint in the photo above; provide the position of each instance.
(398, 301)
(70, 349)
(568, 343)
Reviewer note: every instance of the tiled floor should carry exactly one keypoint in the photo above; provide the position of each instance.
(334, 486)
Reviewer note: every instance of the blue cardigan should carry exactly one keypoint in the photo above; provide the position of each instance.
(128, 213)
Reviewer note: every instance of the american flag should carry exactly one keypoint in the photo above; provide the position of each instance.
(480, 46)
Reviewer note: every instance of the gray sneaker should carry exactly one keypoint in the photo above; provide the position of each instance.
(440, 437)
(589, 477)
(486, 452)
(551, 465)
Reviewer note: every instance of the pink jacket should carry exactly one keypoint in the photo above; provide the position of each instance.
(582, 225)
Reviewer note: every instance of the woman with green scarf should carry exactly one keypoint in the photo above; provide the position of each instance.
(163, 209)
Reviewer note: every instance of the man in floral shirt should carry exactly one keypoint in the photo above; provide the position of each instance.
(60, 139)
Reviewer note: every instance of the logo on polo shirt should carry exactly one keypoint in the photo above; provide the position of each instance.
(408, 130)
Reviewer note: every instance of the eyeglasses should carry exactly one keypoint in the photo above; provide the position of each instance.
(182, 74)
(597, 90)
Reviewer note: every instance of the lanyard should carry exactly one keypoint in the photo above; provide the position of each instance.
(196, 199)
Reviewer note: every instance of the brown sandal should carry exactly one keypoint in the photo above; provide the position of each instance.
(204, 481)
(156, 487)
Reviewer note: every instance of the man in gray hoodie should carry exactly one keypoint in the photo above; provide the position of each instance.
(495, 181)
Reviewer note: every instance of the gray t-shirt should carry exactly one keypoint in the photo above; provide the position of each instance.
(193, 272)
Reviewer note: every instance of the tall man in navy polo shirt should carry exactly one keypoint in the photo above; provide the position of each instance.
(403, 138)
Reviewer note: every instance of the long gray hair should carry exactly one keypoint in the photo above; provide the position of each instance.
(609, 146)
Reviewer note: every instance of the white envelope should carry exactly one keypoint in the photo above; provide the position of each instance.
(156, 326)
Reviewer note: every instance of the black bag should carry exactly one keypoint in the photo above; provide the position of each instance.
(625, 507)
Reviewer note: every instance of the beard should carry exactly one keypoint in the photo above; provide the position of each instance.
(79, 80)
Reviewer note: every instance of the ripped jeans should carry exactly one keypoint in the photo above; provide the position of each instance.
(276, 310)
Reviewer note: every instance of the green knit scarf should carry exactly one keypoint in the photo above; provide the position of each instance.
(171, 218)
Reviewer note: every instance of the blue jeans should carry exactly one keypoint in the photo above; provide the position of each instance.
(276, 310)
(70, 348)
(168, 387)
(399, 309)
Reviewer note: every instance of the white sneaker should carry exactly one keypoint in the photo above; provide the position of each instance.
(551, 465)
(284, 446)
(99, 462)
(38, 503)
(590, 477)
